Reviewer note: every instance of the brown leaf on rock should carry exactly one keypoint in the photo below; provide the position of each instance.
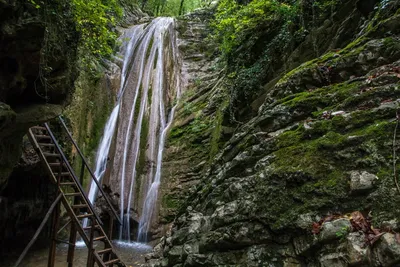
(359, 222)
(316, 228)
(374, 238)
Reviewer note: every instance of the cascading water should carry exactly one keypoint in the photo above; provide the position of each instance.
(102, 154)
(155, 78)
(152, 194)
(105, 143)
(150, 84)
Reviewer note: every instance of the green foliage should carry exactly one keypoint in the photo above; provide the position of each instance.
(171, 7)
(342, 233)
(234, 22)
(95, 20)
(33, 2)
(90, 23)
(257, 39)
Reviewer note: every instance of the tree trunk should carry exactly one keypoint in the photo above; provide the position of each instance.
(181, 7)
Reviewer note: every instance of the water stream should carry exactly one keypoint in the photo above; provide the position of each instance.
(132, 254)
(150, 87)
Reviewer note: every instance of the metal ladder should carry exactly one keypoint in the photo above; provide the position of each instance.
(75, 201)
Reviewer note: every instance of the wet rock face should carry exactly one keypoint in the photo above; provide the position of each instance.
(321, 143)
(183, 163)
(37, 71)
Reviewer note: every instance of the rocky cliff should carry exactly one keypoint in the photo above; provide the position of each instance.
(292, 183)
(37, 55)
(37, 73)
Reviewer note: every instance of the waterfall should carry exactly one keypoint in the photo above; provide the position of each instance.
(150, 85)
(102, 153)
(152, 194)
(102, 156)
(105, 143)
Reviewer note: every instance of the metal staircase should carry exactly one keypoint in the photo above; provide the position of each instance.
(76, 203)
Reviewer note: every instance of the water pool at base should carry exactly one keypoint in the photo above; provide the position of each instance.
(132, 254)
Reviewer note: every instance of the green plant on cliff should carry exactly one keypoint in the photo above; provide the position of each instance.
(234, 22)
(95, 21)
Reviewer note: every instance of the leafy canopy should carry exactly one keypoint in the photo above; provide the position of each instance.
(95, 20)
(234, 22)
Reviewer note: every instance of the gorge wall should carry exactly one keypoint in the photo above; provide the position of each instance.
(37, 73)
(313, 147)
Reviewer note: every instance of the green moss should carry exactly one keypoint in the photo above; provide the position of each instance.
(149, 48)
(216, 132)
(328, 60)
(290, 138)
(313, 151)
(170, 202)
(87, 116)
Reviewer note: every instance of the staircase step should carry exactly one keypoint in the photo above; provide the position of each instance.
(99, 238)
(104, 251)
(56, 164)
(90, 227)
(84, 216)
(112, 261)
(62, 174)
(39, 136)
(46, 154)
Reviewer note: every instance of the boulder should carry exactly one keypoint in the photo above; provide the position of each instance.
(333, 260)
(386, 251)
(357, 249)
(361, 181)
(336, 229)
(175, 255)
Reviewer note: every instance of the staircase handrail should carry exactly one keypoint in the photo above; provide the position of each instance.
(71, 171)
(90, 170)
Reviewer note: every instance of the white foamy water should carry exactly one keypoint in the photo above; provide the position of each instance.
(150, 83)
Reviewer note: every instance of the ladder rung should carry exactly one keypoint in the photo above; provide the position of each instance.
(39, 136)
(104, 251)
(112, 261)
(67, 184)
(84, 216)
(46, 154)
(62, 174)
(99, 238)
(46, 144)
(72, 194)
(90, 227)
(79, 206)
(39, 128)
(56, 164)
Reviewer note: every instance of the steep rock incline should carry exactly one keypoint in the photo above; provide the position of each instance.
(187, 150)
(320, 144)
